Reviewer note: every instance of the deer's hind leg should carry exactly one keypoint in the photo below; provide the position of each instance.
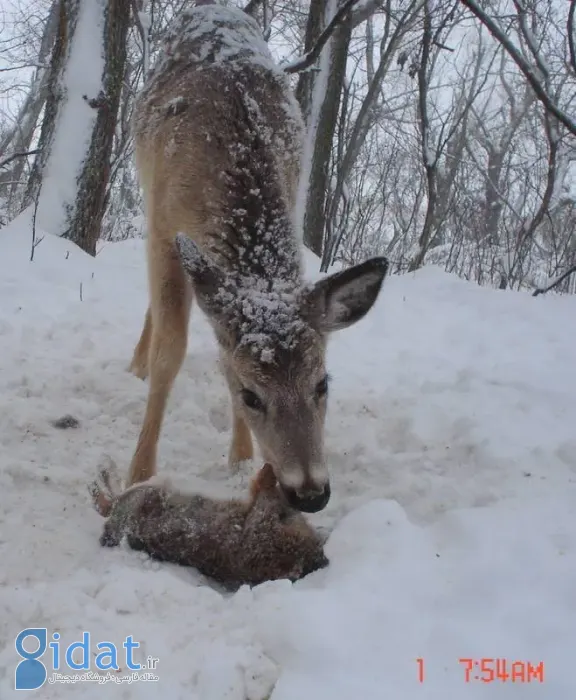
(170, 302)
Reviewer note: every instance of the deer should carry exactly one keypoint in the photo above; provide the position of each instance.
(218, 147)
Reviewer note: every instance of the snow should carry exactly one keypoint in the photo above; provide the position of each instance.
(215, 34)
(82, 81)
(452, 451)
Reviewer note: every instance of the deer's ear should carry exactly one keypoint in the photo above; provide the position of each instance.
(340, 300)
(211, 286)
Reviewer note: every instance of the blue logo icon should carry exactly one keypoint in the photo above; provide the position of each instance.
(31, 673)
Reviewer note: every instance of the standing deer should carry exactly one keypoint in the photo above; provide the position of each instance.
(218, 137)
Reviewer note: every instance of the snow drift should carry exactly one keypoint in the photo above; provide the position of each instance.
(452, 453)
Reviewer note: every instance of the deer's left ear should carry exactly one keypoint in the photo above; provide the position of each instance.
(340, 300)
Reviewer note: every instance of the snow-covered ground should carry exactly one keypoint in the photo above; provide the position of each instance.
(452, 446)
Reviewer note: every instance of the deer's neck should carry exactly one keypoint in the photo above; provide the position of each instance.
(255, 235)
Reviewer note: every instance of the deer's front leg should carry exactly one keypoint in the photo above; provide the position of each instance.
(170, 309)
(139, 364)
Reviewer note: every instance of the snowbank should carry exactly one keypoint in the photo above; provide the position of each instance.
(452, 453)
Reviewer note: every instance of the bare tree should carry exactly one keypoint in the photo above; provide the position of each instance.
(17, 140)
(396, 26)
(319, 96)
(439, 131)
(531, 65)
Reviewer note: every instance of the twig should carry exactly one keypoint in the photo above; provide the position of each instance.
(440, 45)
(543, 290)
(304, 62)
(35, 243)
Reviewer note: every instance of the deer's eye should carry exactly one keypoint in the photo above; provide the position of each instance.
(252, 400)
(322, 387)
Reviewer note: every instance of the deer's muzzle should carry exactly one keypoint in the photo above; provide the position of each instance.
(307, 500)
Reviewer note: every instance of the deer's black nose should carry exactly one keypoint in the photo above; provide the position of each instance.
(307, 501)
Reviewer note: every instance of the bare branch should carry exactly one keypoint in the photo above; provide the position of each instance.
(367, 9)
(543, 290)
(526, 33)
(440, 45)
(528, 70)
(7, 161)
(304, 62)
(570, 32)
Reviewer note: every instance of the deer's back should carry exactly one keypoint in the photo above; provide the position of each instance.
(214, 92)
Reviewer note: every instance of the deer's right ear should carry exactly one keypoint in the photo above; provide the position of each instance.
(212, 288)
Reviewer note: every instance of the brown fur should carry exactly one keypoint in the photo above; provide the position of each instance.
(218, 141)
(235, 542)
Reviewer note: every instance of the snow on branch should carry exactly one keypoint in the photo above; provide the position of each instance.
(531, 73)
(364, 10)
(303, 62)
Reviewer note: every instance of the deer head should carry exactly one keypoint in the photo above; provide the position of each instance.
(272, 339)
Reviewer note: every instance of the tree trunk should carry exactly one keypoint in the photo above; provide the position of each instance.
(67, 19)
(318, 93)
(429, 154)
(84, 225)
(364, 121)
(492, 202)
(70, 176)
